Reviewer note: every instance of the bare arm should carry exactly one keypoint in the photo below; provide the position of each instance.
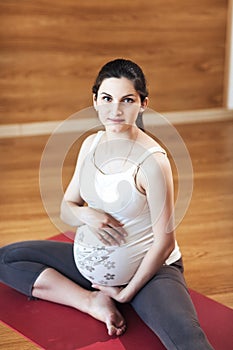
(72, 201)
(75, 213)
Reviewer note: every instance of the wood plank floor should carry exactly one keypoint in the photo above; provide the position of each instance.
(205, 234)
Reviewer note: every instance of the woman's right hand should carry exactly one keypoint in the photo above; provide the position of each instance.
(108, 230)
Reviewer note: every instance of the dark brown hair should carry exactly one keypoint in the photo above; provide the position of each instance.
(119, 68)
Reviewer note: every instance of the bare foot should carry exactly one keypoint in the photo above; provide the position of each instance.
(103, 308)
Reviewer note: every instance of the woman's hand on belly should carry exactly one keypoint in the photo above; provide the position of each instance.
(108, 230)
(116, 293)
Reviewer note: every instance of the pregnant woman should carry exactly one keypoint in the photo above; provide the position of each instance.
(120, 198)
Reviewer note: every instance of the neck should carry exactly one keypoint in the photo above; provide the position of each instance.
(130, 134)
(114, 150)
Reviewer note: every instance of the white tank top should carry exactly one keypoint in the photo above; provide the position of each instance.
(117, 195)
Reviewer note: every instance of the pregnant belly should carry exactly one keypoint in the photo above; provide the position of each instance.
(106, 265)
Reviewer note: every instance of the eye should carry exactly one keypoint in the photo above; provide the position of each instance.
(107, 98)
(128, 100)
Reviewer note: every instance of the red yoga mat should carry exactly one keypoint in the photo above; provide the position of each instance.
(56, 327)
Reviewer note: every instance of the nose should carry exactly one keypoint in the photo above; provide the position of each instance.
(116, 109)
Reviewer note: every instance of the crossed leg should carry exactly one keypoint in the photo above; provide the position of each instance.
(53, 286)
(46, 270)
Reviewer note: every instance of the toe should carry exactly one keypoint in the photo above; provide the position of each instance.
(121, 330)
(111, 329)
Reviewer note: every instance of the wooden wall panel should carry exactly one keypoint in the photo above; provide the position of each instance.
(51, 51)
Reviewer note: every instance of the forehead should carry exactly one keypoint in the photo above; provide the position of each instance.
(120, 86)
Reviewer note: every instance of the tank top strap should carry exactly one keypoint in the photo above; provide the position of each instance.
(96, 140)
(145, 155)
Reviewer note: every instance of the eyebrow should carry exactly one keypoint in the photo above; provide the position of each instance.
(129, 95)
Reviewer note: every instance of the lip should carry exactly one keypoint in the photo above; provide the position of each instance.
(115, 120)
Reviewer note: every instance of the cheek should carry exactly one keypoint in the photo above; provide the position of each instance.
(131, 111)
(103, 110)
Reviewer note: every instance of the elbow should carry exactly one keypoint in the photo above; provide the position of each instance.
(63, 218)
(169, 249)
(67, 214)
(63, 212)
(62, 207)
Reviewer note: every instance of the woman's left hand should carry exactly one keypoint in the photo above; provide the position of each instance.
(116, 293)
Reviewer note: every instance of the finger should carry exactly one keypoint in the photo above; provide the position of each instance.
(101, 289)
(115, 224)
(119, 230)
(108, 237)
(113, 236)
(105, 290)
(118, 227)
(104, 238)
(96, 286)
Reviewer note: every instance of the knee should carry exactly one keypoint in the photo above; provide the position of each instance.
(10, 256)
(5, 253)
(7, 256)
(14, 252)
(4, 263)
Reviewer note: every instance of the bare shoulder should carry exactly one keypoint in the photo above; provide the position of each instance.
(89, 140)
(86, 144)
(147, 141)
(85, 148)
(154, 167)
(156, 162)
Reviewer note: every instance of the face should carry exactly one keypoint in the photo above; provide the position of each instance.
(118, 104)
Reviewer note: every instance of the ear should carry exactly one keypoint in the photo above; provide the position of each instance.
(94, 101)
(144, 105)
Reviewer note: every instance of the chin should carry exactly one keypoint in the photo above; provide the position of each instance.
(117, 128)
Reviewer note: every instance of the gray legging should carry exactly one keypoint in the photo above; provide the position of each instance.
(163, 303)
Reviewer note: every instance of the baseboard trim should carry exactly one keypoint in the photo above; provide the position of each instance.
(84, 124)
